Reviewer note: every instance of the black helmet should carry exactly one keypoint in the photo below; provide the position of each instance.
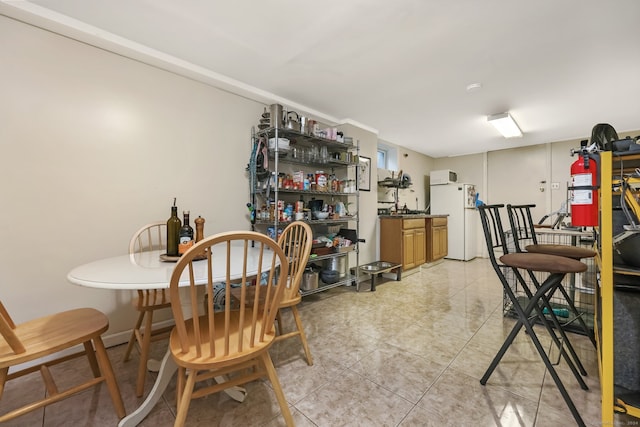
(602, 135)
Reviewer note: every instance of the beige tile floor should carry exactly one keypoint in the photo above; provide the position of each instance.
(409, 354)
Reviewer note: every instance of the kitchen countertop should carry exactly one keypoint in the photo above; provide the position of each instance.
(400, 216)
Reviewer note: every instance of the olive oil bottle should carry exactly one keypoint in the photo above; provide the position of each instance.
(173, 230)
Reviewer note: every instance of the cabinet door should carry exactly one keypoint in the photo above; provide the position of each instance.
(391, 241)
(408, 249)
(439, 243)
(420, 246)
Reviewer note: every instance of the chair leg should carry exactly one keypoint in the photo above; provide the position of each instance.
(185, 398)
(523, 320)
(303, 337)
(565, 339)
(543, 293)
(554, 375)
(574, 361)
(182, 373)
(132, 339)
(91, 356)
(3, 380)
(109, 376)
(279, 321)
(578, 316)
(144, 354)
(265, 358)
(556, 323)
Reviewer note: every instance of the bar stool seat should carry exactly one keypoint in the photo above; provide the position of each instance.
(567, 251)
(543, 262)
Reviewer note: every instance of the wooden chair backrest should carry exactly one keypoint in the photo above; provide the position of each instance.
(6, 330)
(522, 226)
(245, 321)
(296, 241)
(150, 237)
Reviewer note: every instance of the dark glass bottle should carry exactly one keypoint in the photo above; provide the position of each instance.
(185, 236)
(173, 229)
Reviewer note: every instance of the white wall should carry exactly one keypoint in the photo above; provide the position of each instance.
(93, 146)
(515, 175)
(368, 199)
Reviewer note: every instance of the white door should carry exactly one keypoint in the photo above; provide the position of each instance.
(515, 177)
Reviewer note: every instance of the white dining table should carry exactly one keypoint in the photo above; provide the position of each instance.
(146, 270)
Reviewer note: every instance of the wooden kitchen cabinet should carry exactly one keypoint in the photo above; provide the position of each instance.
(436, 240)
(403, 241)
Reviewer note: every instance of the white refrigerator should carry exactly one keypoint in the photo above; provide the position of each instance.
(459, 202)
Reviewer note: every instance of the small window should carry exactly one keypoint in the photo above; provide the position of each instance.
(382, 159)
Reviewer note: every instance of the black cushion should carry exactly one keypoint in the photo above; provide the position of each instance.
(568, 251)
(543, 262)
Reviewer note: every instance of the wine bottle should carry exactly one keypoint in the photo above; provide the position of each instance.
(173, 229)
(185, 236)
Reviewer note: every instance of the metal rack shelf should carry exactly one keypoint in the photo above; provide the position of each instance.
(263, 190)
(349, 279)
(305, 139)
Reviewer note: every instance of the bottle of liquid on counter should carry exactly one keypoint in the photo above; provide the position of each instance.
(173, 230)
(186, 235)
(199, 228)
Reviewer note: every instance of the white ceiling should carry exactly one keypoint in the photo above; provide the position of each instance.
(399, 67)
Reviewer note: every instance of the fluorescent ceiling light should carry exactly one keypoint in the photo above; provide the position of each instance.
(505, 125)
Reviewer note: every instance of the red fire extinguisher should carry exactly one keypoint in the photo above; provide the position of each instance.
(584, 194)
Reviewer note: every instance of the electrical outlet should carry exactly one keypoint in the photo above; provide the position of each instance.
(555, 185)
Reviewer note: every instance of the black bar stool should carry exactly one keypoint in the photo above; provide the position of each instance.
(523, 229)
(557, 267)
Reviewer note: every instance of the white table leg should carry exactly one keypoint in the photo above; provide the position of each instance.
(236, 393)
(153, 365)
(167, 368)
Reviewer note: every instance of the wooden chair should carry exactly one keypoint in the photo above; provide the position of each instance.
(50, 335)
(148, 238)
(296, 241)
(235, 340)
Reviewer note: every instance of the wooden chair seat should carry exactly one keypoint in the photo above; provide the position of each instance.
(46, 337)
(291, 301)
(192, 358)
(568, 251)
(56, 332)
(543, 262)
